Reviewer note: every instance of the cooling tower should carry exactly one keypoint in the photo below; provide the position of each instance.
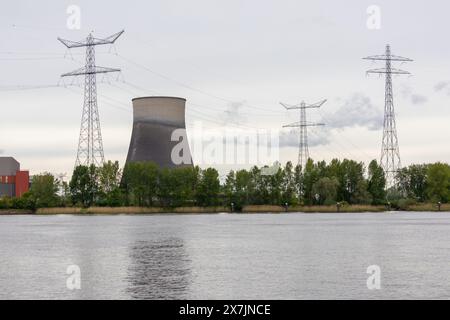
(154, 122)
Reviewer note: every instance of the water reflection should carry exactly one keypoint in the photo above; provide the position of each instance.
(159, 269)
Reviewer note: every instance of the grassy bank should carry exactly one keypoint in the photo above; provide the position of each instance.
(193, 210)
(429, 207)
(348, 208)
(14, 211)
(313, 209)
(426, 207)
(130, 210)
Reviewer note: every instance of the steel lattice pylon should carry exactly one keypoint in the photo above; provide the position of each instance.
(390, 152)
(90, 143)
(303, 124)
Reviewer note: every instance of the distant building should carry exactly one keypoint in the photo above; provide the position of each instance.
(13, 181)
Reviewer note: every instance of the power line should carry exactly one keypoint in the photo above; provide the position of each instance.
(189, 87)
(116, 104)
(30, 58)
(203, 107)
(27, 87)
(329, 147)
(347, 139)
(339, 149)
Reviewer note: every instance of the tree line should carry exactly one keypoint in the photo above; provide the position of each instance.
(318, 183)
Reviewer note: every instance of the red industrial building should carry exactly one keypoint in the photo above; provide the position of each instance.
(13, 181)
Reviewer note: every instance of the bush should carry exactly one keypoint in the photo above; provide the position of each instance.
(5, 203)
(404, 204)
(330, 202)
(25, 202)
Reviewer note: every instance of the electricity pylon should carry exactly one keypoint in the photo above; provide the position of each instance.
(90, 144)
(390, 151)
(303, 124)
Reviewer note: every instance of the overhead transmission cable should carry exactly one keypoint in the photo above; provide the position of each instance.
(181, 84)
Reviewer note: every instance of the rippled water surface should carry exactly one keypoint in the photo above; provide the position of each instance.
(258, 256)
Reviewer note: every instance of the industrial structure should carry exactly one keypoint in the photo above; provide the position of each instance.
(155, 120)
(13, 181)
(390, 151)
(90, 144)
(303, 124)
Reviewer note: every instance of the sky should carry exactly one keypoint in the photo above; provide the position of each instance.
(234, 61)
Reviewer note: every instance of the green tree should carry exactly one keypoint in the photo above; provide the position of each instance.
(181, 185)
(298, 183)
(44, 191)
(148, 182)
(361, 194)
(326, 190)
(413, 182)
(145, 184)
(140, 183)
(310, 177)
(229, 188)
(109, 176)
(244, 189)
(289, 195)
(259, 192)
(377, 183)
(208, 188)
(84, 185)
(274, 184)
(336, 169)
(166, 187)
(64, 194)
(351, 174)
(132, 183)
(438, 181)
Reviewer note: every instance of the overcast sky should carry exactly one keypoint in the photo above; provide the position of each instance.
(233, 61)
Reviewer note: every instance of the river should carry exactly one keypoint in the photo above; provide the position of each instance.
(225, 256)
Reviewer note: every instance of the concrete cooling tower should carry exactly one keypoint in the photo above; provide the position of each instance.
(154, 122)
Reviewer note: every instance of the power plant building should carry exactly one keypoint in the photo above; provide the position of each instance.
(13, 181)
(158, 124)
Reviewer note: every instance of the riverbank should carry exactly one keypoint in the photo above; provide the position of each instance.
(7, 212)
(426, 207)
(246, 209)
(210, 210)
(129, 210)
